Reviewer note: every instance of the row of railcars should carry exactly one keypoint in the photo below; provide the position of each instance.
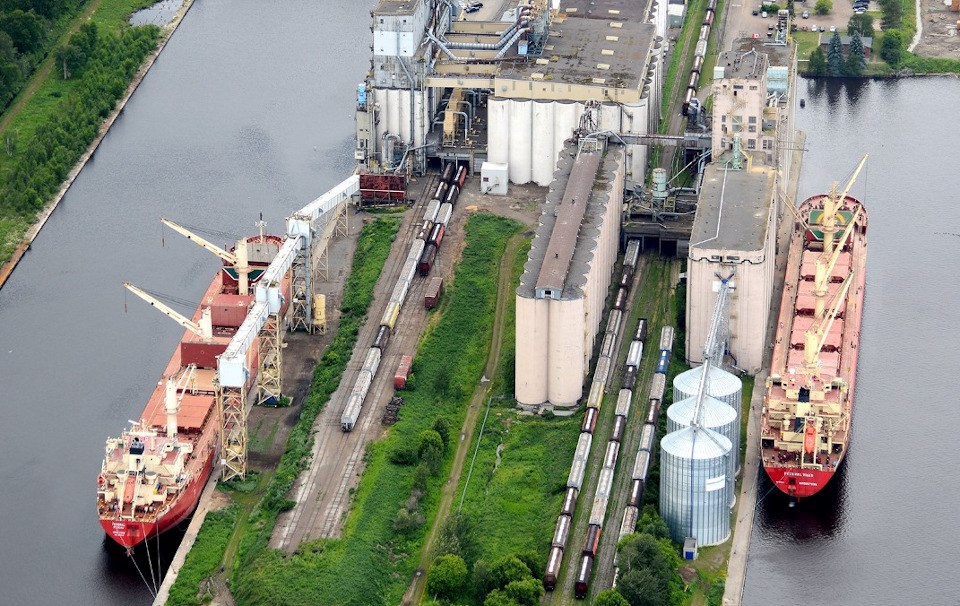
(699, 55)
(578, 468)
(648, 435)
(422, 254)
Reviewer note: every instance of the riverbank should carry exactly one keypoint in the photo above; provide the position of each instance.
(6, 270)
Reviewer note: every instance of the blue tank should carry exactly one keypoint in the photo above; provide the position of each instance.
(361, 95)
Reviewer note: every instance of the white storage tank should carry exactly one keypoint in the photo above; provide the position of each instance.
(720, 384)
(694, 489)
(716, 415)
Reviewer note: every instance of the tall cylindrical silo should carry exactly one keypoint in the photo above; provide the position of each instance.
(520, 133)
(720, 384)
(716, 415)
(498, 131)
(694, 488)
(545, 157)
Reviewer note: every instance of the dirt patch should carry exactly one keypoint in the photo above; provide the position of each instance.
(939, 31)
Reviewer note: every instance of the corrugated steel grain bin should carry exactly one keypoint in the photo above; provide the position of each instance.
(403, 372)
(434, 290)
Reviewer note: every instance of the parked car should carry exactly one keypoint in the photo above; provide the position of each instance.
(806, 14)
(471, 9)
(764, 14)
(833, 28)
(755, 12)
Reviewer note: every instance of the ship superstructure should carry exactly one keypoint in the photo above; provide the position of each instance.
(807, 409)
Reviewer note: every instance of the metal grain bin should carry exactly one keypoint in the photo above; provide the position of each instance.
(624, 398)
(694, 491)
(714, 414)
(720, 384)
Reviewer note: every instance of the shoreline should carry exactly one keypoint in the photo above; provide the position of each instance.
(6, 270)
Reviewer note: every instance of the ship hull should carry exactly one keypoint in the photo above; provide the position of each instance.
(805, 482)
(129, 534)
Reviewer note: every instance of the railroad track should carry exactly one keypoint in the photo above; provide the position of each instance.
(322, 491)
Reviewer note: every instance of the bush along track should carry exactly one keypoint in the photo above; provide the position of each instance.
(373, 247)
(400, 489)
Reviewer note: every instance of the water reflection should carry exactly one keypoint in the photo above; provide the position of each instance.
(816, 517)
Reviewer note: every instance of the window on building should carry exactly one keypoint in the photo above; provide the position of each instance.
(767, 144)
(752, 120)
(751, 144)
(737, 87)
(723, 118)
(753, 87)
(752, 128)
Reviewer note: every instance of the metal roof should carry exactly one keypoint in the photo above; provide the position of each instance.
(720, 383)
(696, 443)
(733, 209)
(713, 414)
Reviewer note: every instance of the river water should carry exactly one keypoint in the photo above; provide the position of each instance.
(885, 531)
(249, 109)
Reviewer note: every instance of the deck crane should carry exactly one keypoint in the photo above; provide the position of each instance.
(239, 260)
(830, 207)
(203, 329)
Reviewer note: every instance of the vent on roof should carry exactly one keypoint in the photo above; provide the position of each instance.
(536, 76)
(606, 51)
(612, 38)
(613, 11)
(572, 9)
(616, 24)
(598, 80)
(603, 66)
(542, 61)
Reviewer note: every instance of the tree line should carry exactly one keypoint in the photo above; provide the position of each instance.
(25, 36)
(103, 64)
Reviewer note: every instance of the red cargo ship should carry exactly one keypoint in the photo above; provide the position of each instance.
(153, 474)
(805, 422)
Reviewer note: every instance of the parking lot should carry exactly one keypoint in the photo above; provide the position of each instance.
(838, 18)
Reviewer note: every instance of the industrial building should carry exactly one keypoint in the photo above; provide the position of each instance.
(741, 197)
(564, 284)
(507, 84)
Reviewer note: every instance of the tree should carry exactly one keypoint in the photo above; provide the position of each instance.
(507, 570)
(456, 536)
(650, 521)
(25, 28)
(532, 560)
(835, 56)
(823, 7)
(856, 62)
(447, 576)
(442, 427)
(643, 552)
(497, 597)
(610, 597)
(862, 23)
(526, 592)
(891, 48)
(430, 448)
(640, 588)
(892, 14)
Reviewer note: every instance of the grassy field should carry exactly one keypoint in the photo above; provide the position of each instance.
(263, 496)
(372, 563)
(204, 558)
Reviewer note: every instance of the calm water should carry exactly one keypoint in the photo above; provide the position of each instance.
(249, 109)
(886, 531)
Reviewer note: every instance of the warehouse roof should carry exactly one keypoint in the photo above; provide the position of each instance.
(733, 209)
(396, 7)
(749, 65)
(590, 51)
(622, 10)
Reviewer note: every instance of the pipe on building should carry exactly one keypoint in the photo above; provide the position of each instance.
(466, 121)
(516, 36)
(383, 151)
(481, 46)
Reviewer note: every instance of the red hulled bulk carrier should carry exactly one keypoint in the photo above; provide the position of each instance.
(805, 422)
(153, 474)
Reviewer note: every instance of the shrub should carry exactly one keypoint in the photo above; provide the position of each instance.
(823, 7)
(447, 576)
(403, 454)
(507, 570)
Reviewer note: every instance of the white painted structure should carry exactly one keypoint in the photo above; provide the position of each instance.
(494, 179)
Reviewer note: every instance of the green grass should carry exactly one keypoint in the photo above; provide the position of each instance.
(203, 559)
(252, 531)
(371, 564)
